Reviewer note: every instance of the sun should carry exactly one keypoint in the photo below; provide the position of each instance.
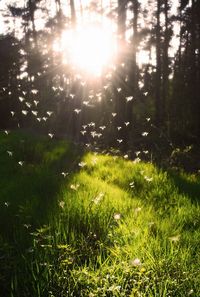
(89, 49)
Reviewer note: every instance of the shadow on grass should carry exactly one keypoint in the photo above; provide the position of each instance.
(30, 182)
(186, 186)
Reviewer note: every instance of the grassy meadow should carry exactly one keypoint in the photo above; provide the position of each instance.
(77, 223)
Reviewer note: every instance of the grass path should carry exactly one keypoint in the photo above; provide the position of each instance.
(111, 228)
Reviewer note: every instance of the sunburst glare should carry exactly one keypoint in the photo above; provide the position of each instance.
(89, 49)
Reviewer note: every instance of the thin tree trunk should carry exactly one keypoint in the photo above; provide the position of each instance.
(121, 27)
(58, 7)
(194, 82)
(73, 13)
(32, 8)
(165, 85)
(134, 69)
(135, 45)
(158, 103)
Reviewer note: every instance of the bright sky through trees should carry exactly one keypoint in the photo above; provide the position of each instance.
(94, 44)
(91, 48)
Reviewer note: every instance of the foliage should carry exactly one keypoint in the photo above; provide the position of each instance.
(113, 227)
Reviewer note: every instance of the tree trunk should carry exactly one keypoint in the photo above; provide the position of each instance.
(73, 13)
(134, 69)
(165, 86)
(158, 102)
(32, 8)
(121, 28)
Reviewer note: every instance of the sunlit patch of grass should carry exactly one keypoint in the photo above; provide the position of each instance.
(112, 228)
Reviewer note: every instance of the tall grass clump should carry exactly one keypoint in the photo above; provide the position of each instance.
(95, 225)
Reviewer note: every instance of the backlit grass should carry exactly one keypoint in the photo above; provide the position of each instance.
(111, 227)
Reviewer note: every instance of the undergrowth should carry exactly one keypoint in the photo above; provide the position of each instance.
(76, 224)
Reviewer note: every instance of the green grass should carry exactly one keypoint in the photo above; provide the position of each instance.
(111, 227)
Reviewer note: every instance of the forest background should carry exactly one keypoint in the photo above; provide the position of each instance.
(142, 96)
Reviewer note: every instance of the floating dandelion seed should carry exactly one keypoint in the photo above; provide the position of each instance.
(83, 132)
(145, 133)
(148, 179)
(86, 103)
(30, 250)
(21, 99)
(27, 226)
(62, 204)
(138, 209)
(94, 161)
(6, 203)
(117, 216)
(24, 112)
(114, 114)
(92, 124)
(114, 288)
(12, 113)
(39, 119)
(175, 238)
(64, 173)
(102, 127)
(82, 164)
(98, 198)
(150, 224)
(6, 132)
(50, 135)
(119, 90)
(34, 91)
(36, 102)
(21, 163)
(34, 112)
(98, 94)
(137, 160)
(44, 119)
(77, 110)
(129, 98)
(137, 153)
(145, 152)
(28, 104)
(119, 140)
(136, 262)
(74, 187)
(10, 153)
(84, 126)
(49, 113)
(93, 133)
(127, 123)
(119, 128)
(148, 119)
(72, 96)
